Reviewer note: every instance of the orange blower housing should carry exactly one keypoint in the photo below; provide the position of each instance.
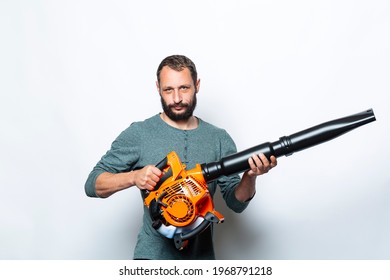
(181, 205)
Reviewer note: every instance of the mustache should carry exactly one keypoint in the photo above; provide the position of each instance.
(180, 104)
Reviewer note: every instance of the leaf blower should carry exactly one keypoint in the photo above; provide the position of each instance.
(181, 206)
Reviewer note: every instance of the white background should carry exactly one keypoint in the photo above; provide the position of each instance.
(74, 74)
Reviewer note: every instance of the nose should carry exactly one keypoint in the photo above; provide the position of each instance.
(177, 97)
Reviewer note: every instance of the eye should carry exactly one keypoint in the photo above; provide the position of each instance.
(168, 90)
(184, 88)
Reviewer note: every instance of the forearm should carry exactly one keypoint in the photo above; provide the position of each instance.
(109, 183)
(259, 164)
(246, 189)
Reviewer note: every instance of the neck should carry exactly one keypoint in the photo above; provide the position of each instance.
(188, 124)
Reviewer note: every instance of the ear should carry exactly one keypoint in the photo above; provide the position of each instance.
(158, 87)
(197, 86)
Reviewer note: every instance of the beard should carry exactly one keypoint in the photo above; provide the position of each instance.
(188, 112)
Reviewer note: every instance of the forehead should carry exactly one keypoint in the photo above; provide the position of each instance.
(170, 77)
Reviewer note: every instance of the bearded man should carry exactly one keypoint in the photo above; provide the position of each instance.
(134, 153)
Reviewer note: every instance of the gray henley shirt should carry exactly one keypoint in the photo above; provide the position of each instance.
(148, 142)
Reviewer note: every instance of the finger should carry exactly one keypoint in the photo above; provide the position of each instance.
(151, 169)
(252, 167)
(267, 163)
(274, 162)
(156, 171)
(252, 163)
(262, 164)
(152, 174)
(147, 187)
(153, 180)
(264, 160)
(257, 161)
(149, 183)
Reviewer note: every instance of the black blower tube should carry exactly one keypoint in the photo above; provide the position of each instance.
(287, 145)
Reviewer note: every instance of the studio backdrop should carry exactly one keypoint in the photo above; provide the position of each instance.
(75, 74)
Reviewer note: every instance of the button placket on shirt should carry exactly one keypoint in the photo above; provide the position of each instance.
(185, 159)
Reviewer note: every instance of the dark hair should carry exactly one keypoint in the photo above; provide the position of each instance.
(178, 63)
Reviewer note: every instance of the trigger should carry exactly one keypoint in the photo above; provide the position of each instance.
(154, 210)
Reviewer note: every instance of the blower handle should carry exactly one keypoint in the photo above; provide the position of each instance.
(160, 165)
(180, 238)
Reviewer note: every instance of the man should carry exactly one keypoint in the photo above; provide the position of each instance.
(130, 161)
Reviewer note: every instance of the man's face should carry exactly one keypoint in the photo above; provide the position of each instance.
(178, 93)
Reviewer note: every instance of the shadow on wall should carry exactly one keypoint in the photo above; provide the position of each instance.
(233, 239)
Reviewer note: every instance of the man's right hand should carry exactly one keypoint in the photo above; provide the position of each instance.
(147, 177)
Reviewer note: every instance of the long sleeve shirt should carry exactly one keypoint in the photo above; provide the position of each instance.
(148, 142)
